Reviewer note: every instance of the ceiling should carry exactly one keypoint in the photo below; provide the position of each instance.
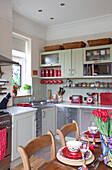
(72, 11)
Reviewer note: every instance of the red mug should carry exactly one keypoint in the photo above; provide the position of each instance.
(47, 81)
(55, 81)
(51, 82)
(60, 81)
(42, 81)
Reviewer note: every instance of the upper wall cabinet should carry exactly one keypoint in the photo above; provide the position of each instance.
(48, 59)
(72, 63)
(99, 54)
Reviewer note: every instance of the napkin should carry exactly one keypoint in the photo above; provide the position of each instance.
(91, 147)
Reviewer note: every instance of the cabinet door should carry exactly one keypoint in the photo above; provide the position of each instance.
(51, 58)
(98, 54)
(77, 62)
(23, 130)
(65, 115)
(65, 59)
(48, 120)
(86, 118)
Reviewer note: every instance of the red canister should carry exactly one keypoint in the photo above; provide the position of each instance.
(59, 73)
(43, 73)
(96, 98)
(47, 73)
(51, 73)
(55, 73)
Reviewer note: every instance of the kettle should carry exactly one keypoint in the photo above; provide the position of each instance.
(3, 103)
(90, 98)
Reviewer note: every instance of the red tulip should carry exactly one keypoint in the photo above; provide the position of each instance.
(104, 119)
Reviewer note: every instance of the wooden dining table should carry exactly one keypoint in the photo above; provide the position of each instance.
(57, 165)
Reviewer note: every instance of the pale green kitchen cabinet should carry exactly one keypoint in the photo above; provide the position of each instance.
(48, 120)
(65, 59)
(72, 63)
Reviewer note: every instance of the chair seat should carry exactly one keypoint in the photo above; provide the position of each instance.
(35, 162)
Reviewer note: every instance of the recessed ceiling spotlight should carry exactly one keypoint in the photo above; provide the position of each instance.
(51, 18)
(62, 4)
(40, 10)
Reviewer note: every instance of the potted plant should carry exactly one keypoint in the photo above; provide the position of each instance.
(103, 119)
(27, 89)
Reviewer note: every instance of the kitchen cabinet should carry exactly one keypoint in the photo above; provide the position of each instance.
(23, 130)
(65, 115)
(71, 61)
(48, 59)
(48, 120)
(98, 54)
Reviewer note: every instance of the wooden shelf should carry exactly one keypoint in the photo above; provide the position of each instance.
(50, 77)
(88, 87)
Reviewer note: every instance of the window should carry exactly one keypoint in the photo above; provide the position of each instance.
(21, 53)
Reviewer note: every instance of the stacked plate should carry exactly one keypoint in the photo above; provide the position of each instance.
(71, 155)
(97, 136)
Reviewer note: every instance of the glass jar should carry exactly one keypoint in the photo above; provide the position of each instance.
(84, 84)
(97, 84)
(101, 84)
(92, 84)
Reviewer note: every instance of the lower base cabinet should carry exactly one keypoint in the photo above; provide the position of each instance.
(23, 130)
(65, 115)
(83, 116)
(48, 120)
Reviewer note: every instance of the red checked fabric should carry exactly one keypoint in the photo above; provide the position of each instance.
(3, 133)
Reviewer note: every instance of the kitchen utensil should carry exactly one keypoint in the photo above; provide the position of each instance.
(93, 164)
(100, 159)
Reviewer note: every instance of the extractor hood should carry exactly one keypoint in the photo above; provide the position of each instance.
(4, 61)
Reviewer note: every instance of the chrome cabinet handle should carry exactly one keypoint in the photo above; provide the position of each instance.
(43, 114)
(7, 127)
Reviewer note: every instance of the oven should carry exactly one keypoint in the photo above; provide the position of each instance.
(5, 122)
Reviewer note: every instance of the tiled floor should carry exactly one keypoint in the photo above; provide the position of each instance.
(46, 153)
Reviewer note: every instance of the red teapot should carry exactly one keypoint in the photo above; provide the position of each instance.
(42, 81)
(60, 81)
(55, 81)
(51, 82)
(47, 81)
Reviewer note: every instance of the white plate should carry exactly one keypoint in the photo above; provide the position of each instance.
(73, 143)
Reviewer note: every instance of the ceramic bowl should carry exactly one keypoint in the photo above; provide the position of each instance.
(73, 143)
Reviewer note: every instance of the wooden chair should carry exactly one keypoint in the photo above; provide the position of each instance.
(66, 129)
(32, 162)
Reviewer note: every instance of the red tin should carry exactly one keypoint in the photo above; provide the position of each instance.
(106, 98)
(59, 73)
(51, 73)
(43, 73)
(47, 73)
(55, 73)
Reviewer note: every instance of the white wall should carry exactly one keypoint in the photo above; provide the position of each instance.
(6, 40)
